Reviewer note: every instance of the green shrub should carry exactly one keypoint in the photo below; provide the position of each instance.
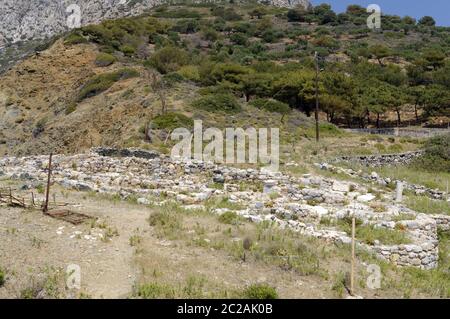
(98, 34)
(190, 72)
(70, 108)
(178, 14)
(436, 156)
(172, 121)
(74, 38)
(339, 284)
(209, 34)
(271, 35)
(239, 38)
(168, 59)
(2, 277)
(171, 78)
(260, 291)
(228, 14)
(217, 102)
(228, 217)
(167, 222)
(128, 50)
(271, 105)
(104, 59)
(186, 26)
(102, 82)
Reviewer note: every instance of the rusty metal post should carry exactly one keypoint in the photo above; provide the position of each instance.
(32, 199)
(45, 209)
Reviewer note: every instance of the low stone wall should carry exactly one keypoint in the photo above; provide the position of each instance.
(409, 132)
(424, 256)
(382, 159)
(442, 221)
(113, 152)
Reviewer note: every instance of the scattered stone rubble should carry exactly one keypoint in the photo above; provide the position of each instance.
(298, 203)
(384, 181)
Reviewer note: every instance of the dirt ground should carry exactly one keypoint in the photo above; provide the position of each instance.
(33, 246)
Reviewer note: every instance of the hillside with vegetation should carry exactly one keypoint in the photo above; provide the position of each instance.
(222, 62)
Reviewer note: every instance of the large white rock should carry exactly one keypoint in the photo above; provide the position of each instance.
(319, 210)
(365, 198)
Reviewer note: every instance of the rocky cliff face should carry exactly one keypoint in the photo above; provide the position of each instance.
(26, 25)
(24, 20)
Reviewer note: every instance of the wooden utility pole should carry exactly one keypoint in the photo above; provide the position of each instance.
(352, 274)
(45, 209)
(316, 113)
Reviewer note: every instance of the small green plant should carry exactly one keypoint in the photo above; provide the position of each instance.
(228, 218)
(156, 291)
(40, 189)
(339, 284)
(70, 108)
(166, 221)
(104, 59)
(172, 121)
(2, 277)
(74, 38)
(260, 291)
(102, 82)
(109, 233)
(135, 240)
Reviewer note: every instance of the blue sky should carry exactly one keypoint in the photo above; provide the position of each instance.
(438, 9)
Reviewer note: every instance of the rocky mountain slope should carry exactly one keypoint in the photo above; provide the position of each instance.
(23, 20)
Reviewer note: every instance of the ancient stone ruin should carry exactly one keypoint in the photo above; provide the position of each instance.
(297, 203)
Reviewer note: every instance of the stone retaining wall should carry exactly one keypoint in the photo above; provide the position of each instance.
(382, 159)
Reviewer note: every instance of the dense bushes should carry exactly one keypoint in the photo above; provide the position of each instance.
(177, 14)
(217, 102)
(102, 82)
(437, 154)
(230, 55)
